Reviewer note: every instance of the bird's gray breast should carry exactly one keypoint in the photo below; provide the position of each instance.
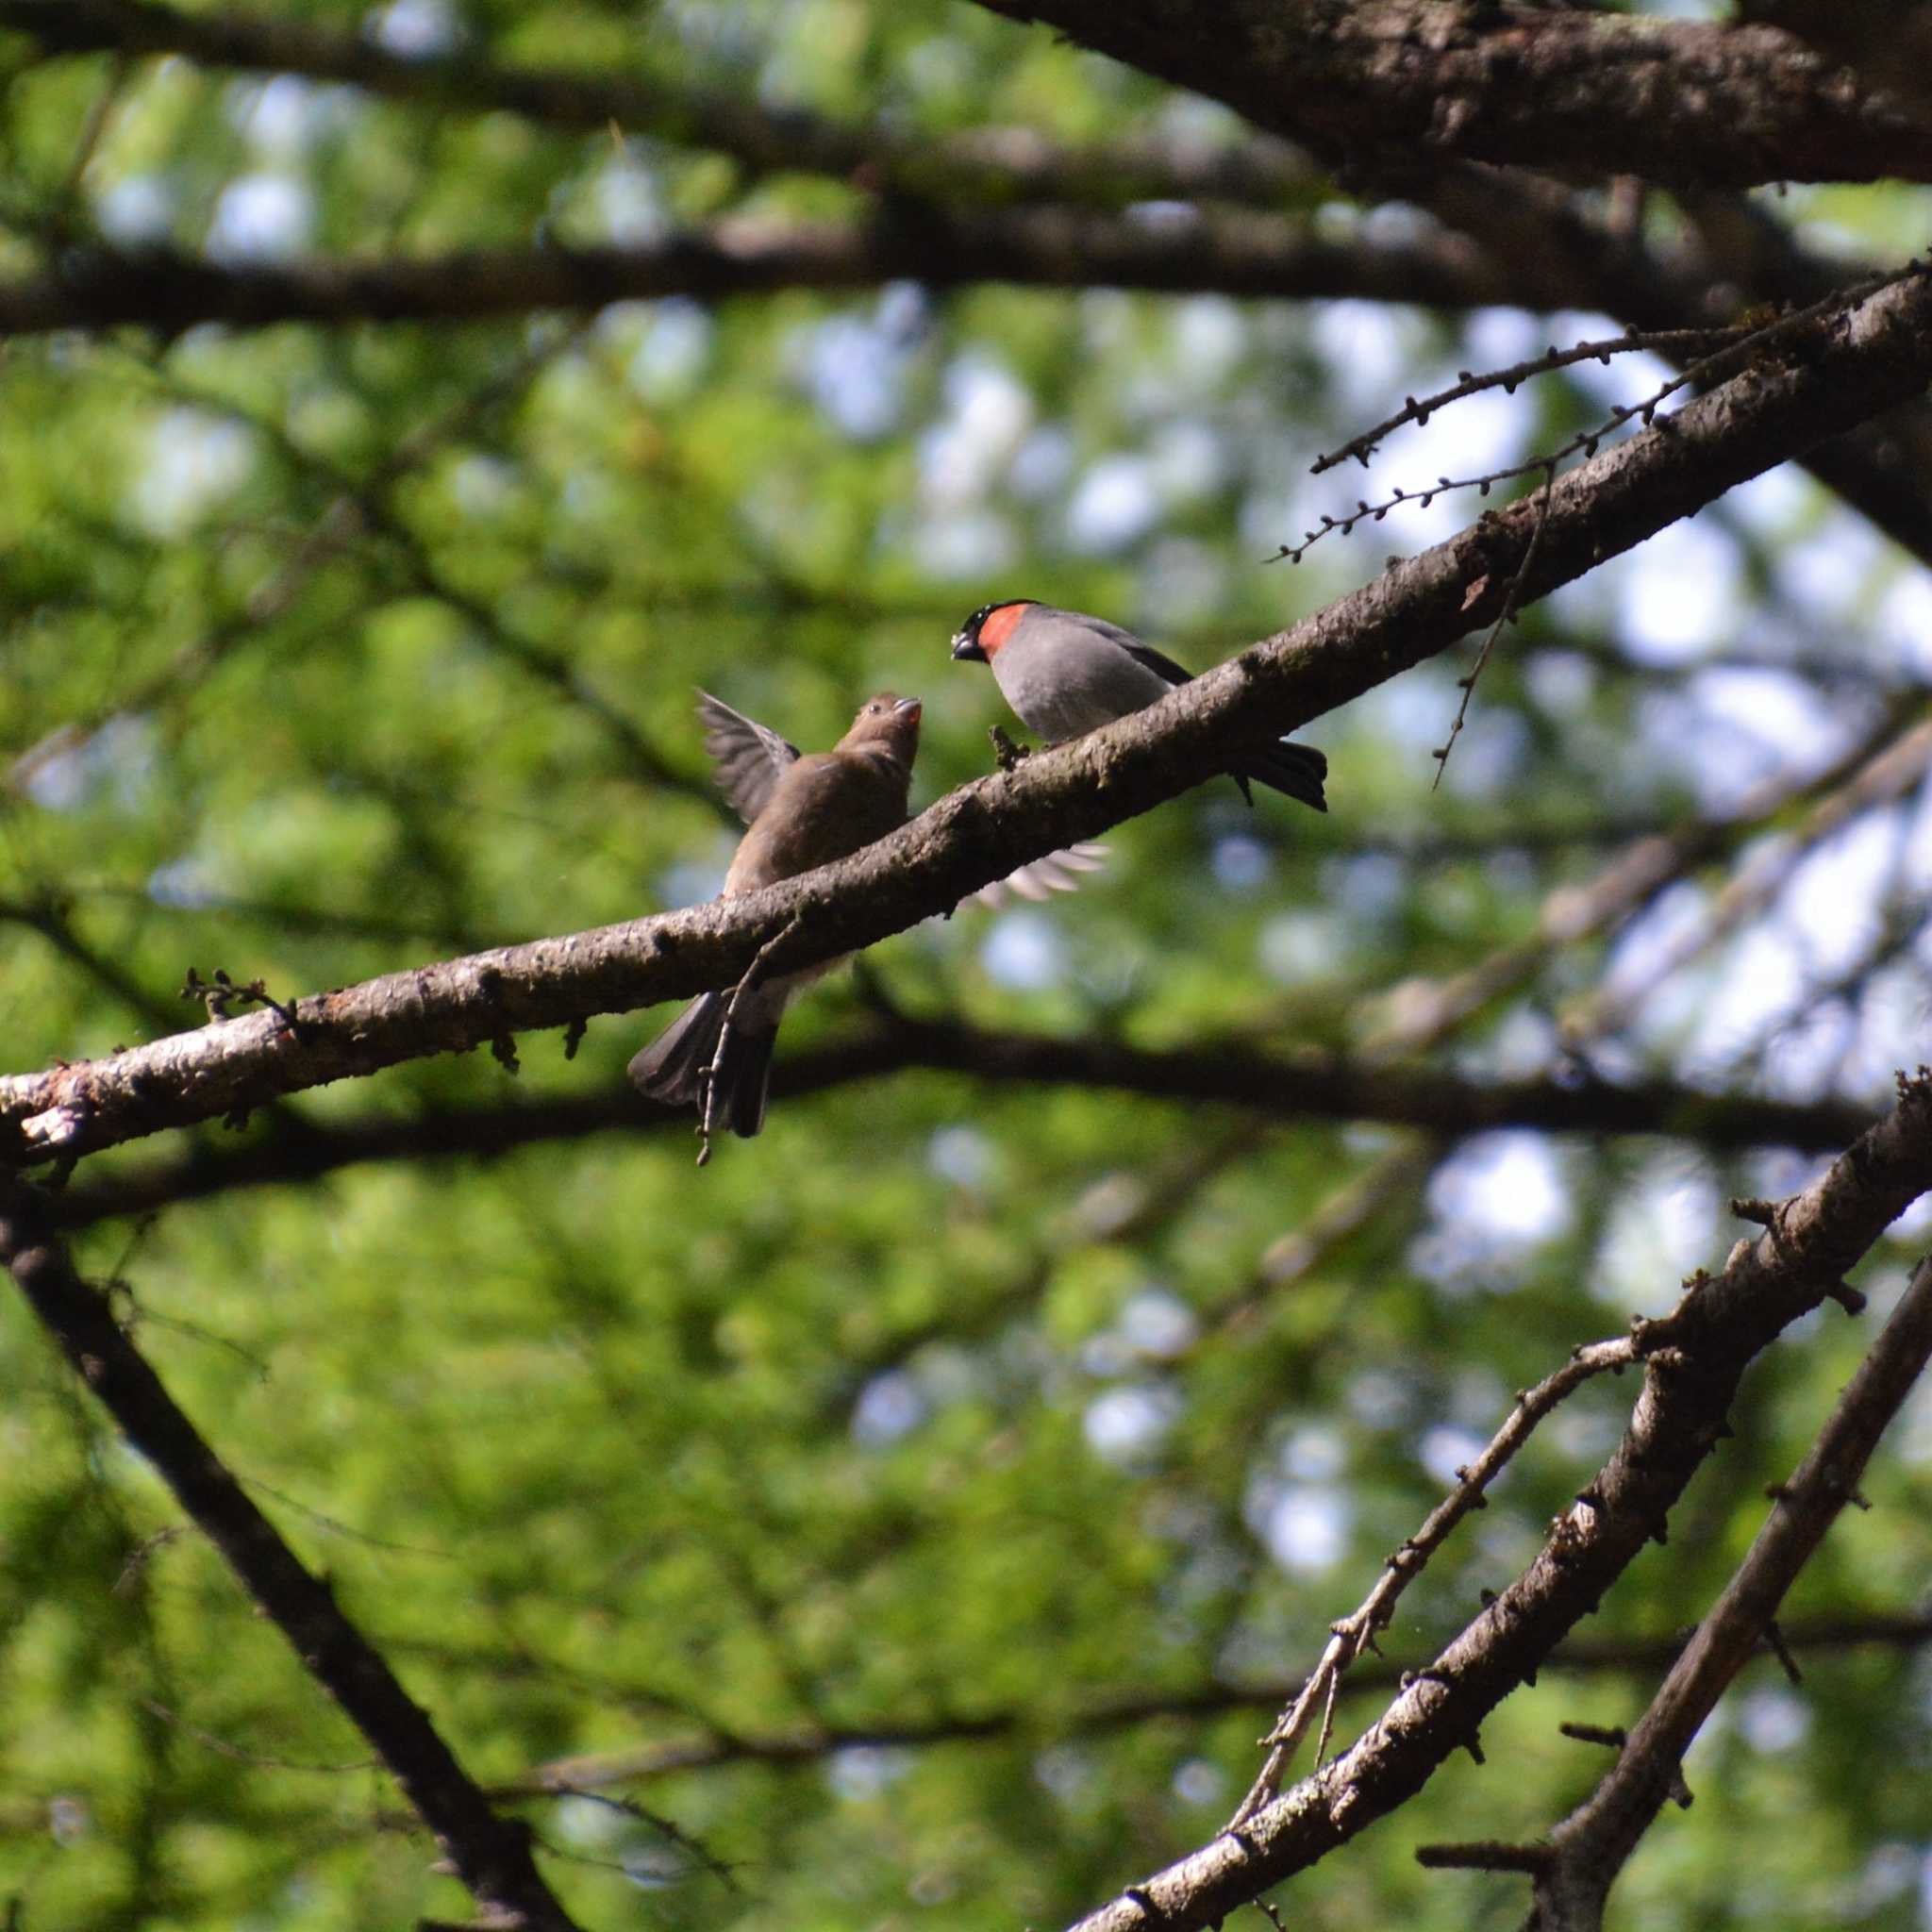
(1069, 687)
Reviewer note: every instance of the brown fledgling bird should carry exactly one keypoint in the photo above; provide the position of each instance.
(1066, 673)
(803, 812)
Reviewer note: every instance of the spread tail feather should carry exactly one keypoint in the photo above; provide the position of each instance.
(1297, 770)
(676, 1066)
(671, 1068)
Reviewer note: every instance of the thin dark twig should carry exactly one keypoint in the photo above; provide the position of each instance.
(1356, 1633)
(1502, 616)
(1708, 371)
(697, 1850)
(240, 1755)
(743, 992)
(707, 1747)
(1663, 342)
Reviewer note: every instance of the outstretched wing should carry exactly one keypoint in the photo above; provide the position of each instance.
(1059, 872)
(750, 758)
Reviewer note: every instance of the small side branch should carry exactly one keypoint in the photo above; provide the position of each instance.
(1705, 370)
(1511, 605)
(1669, 342)
(1356, 1634)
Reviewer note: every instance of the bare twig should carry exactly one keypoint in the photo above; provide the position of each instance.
(1702, 372)
(1468, 680)
(1356, 1633)
(1669, 342)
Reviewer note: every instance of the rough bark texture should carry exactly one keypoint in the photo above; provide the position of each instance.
(1889, 42)
(1380, 82)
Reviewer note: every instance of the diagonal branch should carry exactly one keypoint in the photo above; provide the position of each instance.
(1590, 1846)
(1874, 356)
(48, 915)
(1695, 1358)
(1356, 1632)
(1884, 759)
(492, 1856)
(1883, 779)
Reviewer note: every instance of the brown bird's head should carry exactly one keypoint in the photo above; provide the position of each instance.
(886, 727)
(978, 640)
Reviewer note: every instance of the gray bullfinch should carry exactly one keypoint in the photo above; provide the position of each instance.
(1066, 673)
(802, 812)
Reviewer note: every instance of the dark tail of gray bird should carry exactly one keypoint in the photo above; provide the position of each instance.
(1296, 769)
(685, 1060)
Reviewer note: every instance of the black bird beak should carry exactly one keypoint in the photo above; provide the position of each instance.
(966, 647)
(907, 705)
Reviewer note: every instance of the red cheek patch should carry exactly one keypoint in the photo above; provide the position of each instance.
(998, 627)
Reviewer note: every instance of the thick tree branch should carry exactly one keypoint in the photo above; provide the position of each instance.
(1695, 1357)
(1875, 356)
(1233, 254)
(1569, 93)
(492, 1856)
(1590, 1846)
(1882, 476)
(1889, 41)
(1560, 91)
